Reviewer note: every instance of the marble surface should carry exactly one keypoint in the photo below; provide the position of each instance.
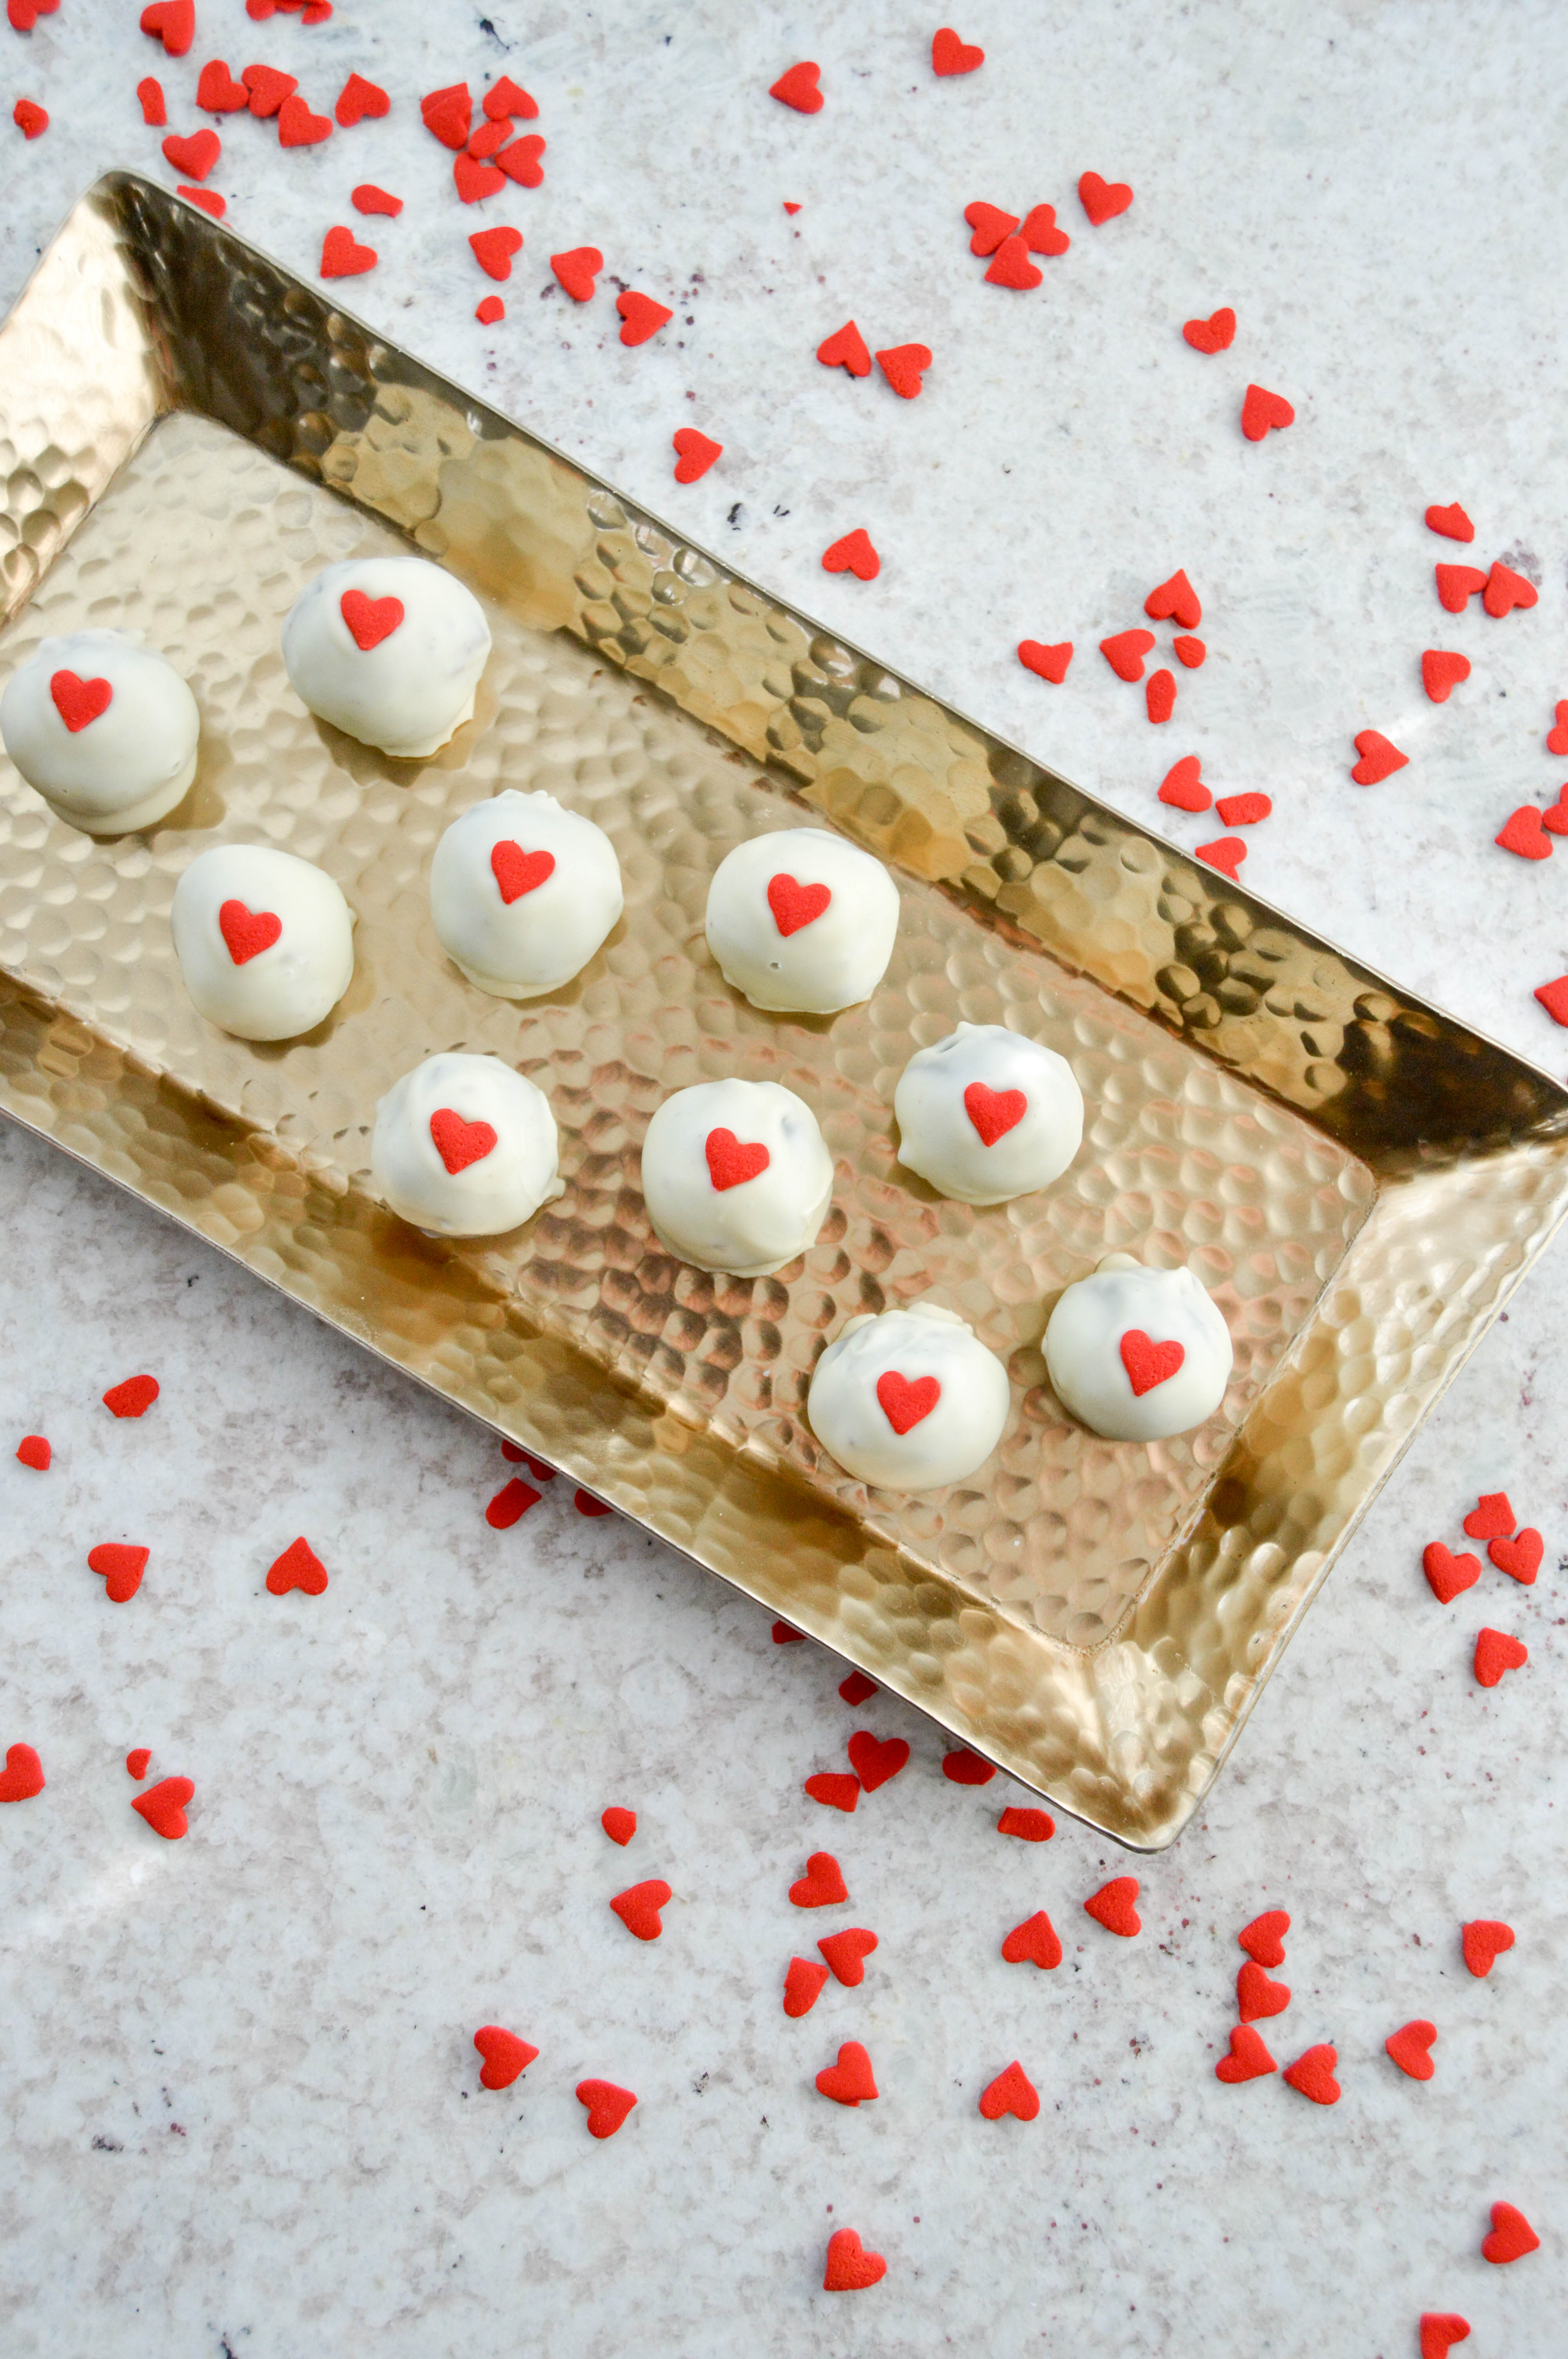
(240, 2110)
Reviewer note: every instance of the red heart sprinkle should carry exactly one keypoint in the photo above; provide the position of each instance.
(641, 316)
(1159, 696)
(1512, 2235)
(517, 871)
(1103, 200)
(23, 1776)
(79, 702)
(1456, 585)
(1174, 601)
(638, 1907)
(1264, 1939)
(520, 162)
(1262, 410)
(218, 92)
(1381, 757)
(1557, 739)
(1256, 1996)
(853, 554)
(1519, 1557)
(267, 89)
(1149, 1364)
(511, 1504)
(359, 98)
(575, 271)
(1125, 651)
(1483, 1941)
(1242, 810)
(1114, 1906)
(1010, 266)
(137, 1761)
(822, 1885)
(1050, 662)
(587, 1504)
(1183, 787)
(132, 1398)
(1554, 998)
(798, 88)
(460, 1143)
(850, 2082)
(873, 1762)
(1011, 2092)
(505, 2056)
(732, 1161)
(1215, 334)
(619, 1825)
(695, 453)
(803, 1985)
(154, 113)
(901, 364)
(967, 1768)
(343, 256)
(486, 139)
(1035, 1943)
(994, 1113)
(607, 2106)
(850, 2267)
(1189, 651)
(784, 1636)
(1029, 1826)
(208, 199)
(247, 933)
(1491, 1517)
(1442, 671)
(448, 113)
(1039, 233)
(1440, 2331)
(23, 15)
(370, 620)
(1227, 855)
(494, 249)
(1248, 2058)
(949, 55)
(1497, 1652)
(163, 1806)
(475, 181)
(508, 97)
(34, 1450)
(1447, 1574)
(990, 225)
(1451, 522)
(1524, 833)
(846, 350)
(835, 1788)
(1312, 2075)
(122, 1566)
(846, 1952)
(856, 1688)
(905, 1403)
(298, 1567)
(173, 22)
(1506, 590)
(792, 209)
(1411, 2048)
(297, 127)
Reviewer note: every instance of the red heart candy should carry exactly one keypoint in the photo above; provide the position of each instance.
(1035, 1943)
(486, 139)
(520, 162)
(798, 88)
(967, 1768)
(494, 249)
(448, 113)
(846, 348)
(298, 1567)
(1512, 2235)
(1114, 1906)
(850, 2082)
(856, 1688)
(23, 15)
(508, 97)
(370, 620)
(795, 905)
(1451, 522)
(163, 1806)
(23, 1776)
(1524, 832)
(1497, 1652)
(1381, 757)
(1225, 853)
(1039, 233)
(803, 1985)
(460, 1143)
(695, 453)
(1264, 1939)
(638, 1907)
(849, 2267)
(822, 1885)
(1262, 410)
(1491, 1517)
(619, 1825)
(905, 1403)
(1242, 810)
(1010, 266)
(846, 1952)
(208, 199)
(874, 1762)
(122, 1566)
(575, 271)
(359, 98)
(1103, 200)
(587, 1504)
(1519, 1557)
(505, 2056)
(990, 225)
(173, 22)
(1149, 1364)
(517, 871)
(1215, 334)
(1557, 739)
(342, 255)
(607, 2106)
(1159, 696)
(1483, 1941)
(1411, 2048)
(1312, 2075)
(732, 1161)
(994, 1113)
(132, 1398)
(1554, 998)
(137, 1761)
(1029, 1826)
(1506, 590)
(511, 1504)
(1188, 650)
(949, 55)
(217, 92)
(1440, 2331)
(1184, 788)
(154, 111)
(1011, 2092)
(835, 1788)
(79, 702)
(1174, 601)
(1125, 651)
(267, 89)
(1456, 585)
(1442, 671)
(642, 316)
(474, 181)
(1256, 1996)
(1050, 662)
(853, 554)
(901, 364)
(1248, 2058)
(784, 1636)
(297, 127)
(1447, 1574)
(33, 1450)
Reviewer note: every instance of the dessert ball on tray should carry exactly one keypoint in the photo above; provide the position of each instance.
(802, 920)
(736, 1176)
(464, 1147)
(522, 893)
(389, 649)
(909, 1401)
(987, 1115)
(265, 940)
(103, 727)
(1138, 1355)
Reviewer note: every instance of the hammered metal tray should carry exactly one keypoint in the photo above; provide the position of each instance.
(189, 434)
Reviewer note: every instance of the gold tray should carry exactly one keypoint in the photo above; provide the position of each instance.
(189, 434)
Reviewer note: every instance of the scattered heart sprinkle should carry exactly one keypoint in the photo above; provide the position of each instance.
(606, 2106)
(989, 225)
(822, 1886)
(967, 1768)
(1410, 2047)
(1124, 651)
(136, 1760)
(23, 1776)
(1050, 662)
(1524, 833)
(506, 97)
(850, 2080)
(1183, 787)
(641, 316)
(1188, 650)
(798, 88)
(1215, 334)
(1491, 1517)
(1312, 2075)
(1242, 810)
(173, 22)
(1456, 585)
(1256, 1996)
(619, 1825)
(1160, 695)
(1446, 1573)
(506, 2055)
(132, 1398)
(837, 1789)
(1381, 757)
(449, 113)
(1029, 1826)
(489, 310)
(853, 554)
(846, 348)
(121, 1567)
(34, 1450)
(1519, 1557)
(1483, 1942)
(195, 156)
(163, 1806)
(1035, 1943)
(1174, 601)
(949, 55)
(359, 98)
(856, 1688)
(1264, 1939)
(1011, 2092)
(1010, 266)
(343, 256)
(904, 366)
(1451, 522)
(846, 1953)
(876, 1761)
(1440, 672)
(298, 1567)
(1103, 200)
(1262, 412)
(494, 249)
(695, 453)
(217, 92)
(298, 128)
(510, 1503)
(1115, 1906)
(1557, 737)
(1497, 1652)
(1440, 2331)
(1248, 2058)
(1506, 590)
(155, 113)
(1040, 232)
(850, 2267)
(576, 271)
(1512, 2236)
(638, 1907)
(1226, 854)
(804, 1985)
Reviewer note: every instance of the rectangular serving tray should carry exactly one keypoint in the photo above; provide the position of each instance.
(189, 435)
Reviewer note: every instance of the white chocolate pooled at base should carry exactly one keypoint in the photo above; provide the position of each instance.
(987, 1115)
(1138, 1355)
(910, 1401)
(389, 649)
(736, 1176)
(522, 893)
(800, 920)
(103, 728)
(265, 940)
(464, 1147)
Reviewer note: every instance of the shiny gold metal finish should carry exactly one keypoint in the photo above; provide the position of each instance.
(189, 434)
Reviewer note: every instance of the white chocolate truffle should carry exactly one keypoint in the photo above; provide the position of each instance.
(389, 649)
(1138, 1355)
(909, 1401)
(736, 1176)
(464, 1147)
(104, 728)
(987, 1115)
(522, 893)
(802, 920)
(265, 940)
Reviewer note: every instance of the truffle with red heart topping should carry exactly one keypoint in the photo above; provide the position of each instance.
(1138, 1355)
(390, 650)
(522, 893)
(265, 940)
(910, 1401)
(463, 1147)
(103, 728)
(736, 1176)
(987, 1115)
(802, 920)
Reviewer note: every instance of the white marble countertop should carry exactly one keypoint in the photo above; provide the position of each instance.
(240, 2113)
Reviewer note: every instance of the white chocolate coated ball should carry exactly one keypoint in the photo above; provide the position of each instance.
(1111, 1347)
(987, 1115)
(104, 728)
(736, 1176)
(800, 920)
(265, 940)
(398, 665)
(522, 893)
(909, 1401)
(464, 1147)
